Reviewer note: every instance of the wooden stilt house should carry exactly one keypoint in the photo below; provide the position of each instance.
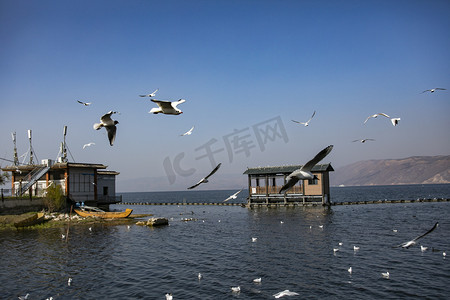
(264, 184)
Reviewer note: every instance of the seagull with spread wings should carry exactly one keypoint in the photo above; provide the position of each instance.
(150, 95)
(234, 196)
(88, 145)
(433, 90)
(305, 171)
(109, 124)
(363, 140)
(167, 107)
(84, 103)
(189, 132)
(205, 179)
(307, 122)
(394, 121)
(413, 241)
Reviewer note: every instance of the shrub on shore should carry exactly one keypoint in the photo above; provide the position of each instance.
(54, 199)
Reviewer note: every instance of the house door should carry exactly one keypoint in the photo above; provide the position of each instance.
(105, 191)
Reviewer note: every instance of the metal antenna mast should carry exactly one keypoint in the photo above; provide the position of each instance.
(31, 147)
(64, 146)
(16, 158)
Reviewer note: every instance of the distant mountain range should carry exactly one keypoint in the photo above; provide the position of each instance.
(411, 170)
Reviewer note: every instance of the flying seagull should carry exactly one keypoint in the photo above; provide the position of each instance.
(189, 132)
(307, 122)
(234, 196)
(84, 103)
(413, 241)
(88, 145)
(150, 95)
(109, 124)
(285, 293)
(393, 120)
(305, 171)
(363, 140)
(205, 179)
(433, 90)
(167, 107)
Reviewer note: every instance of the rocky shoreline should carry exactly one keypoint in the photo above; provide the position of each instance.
(52, 220)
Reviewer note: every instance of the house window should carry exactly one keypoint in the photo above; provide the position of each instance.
(314, 181)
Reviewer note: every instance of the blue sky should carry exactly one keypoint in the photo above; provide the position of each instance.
(240, 65)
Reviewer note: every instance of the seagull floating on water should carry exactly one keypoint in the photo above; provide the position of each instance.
(305, 171)
(257, 280)
(335, 250)
(355, 248)
(200, 276)
(88, 145)
(150, 95)
(433, 90)
(385, 275)
(413, 241)
(254, 239)
(205, 179)
(394, 121)
(234, 196)
(423, 248)
(167, 107)
(350, 270)
(109, 124)
(363, 140)
(69, 281)
(285, 293)
(307, 122)
(84, 103)
(236, 289)
(169, 296)
(189, 132)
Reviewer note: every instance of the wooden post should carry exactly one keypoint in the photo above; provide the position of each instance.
(249, 188)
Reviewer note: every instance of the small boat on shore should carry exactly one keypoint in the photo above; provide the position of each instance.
(31, 220)
(89, 211)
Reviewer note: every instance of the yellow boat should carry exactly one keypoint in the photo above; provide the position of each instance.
(34, 219)
(96, 212)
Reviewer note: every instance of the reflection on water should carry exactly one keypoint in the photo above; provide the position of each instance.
(291, 252)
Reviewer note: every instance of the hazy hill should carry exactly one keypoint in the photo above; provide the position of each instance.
(411, 170)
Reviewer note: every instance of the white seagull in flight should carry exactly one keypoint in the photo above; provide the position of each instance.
(413, 241)
(363, 140)
(189, 132)
(109, 124)
(150, 95)
(433, 90)
(167, 107)
(88, 145)
(84, 103)
(307, 122)
(305, 171)
(205, 179)
(393, 120)
(234, 196)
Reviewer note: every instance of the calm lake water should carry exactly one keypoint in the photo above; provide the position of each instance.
(291, 251)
